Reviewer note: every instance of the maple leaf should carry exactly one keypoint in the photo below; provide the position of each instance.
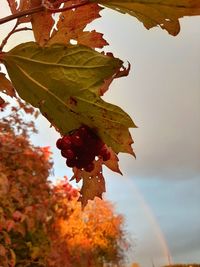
(93, 182)
(2, 250)
(3, 103)
(71, 26)
(6, 86)
(12, 5)
(75, 74)
(42, 23)
(15, 7)
(24, 5)
(121, 73)
(163, 13)
(112, 163)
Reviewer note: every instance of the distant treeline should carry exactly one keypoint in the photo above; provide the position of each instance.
(183, 265)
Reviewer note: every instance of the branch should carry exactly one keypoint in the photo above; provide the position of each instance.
(38, 9)
(23, 13)
(14, 30)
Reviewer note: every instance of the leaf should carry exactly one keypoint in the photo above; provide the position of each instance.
(42, 23)
(112, 163)
(12, 5)
(4, 184)
(13, 258)
(163, 13)
(6, 86)
(6, 237)
(3, 103)
(2, 251)
(93, 183)
(35, 252)
(17, 215)
(9, 225)
(66, 80)
(71, 26)
(15, 7)
(120, 73)
(92, 39)
(24, 5)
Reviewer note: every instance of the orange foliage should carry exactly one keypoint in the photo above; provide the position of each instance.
(93, 236)
(44, 225)
(24, 198)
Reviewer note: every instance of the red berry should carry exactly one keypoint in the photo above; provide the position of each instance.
(89, 167)
(76, 140)
(66, 142)
(98, 146)
(80, 164)
(69, 154)
(71, 163)
(59, 143)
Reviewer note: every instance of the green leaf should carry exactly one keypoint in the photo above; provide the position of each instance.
(163, 13)
(63, 82)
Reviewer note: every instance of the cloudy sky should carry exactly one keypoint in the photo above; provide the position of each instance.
(159, 192)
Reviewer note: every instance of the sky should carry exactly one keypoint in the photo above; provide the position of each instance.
(158, 193)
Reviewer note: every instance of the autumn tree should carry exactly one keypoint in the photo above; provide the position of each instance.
(43, 224)
(24, 194)
(78, 75)
(183, 265)
(93, 236)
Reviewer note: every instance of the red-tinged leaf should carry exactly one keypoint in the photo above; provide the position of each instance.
(2, 250)
(20, 228)
(6, 86)
(30, 223)
(92, 39)
(93, 182)
(24, 5)
(42, 23)
(9, 225)
(71, 27)
(15, 7)
(17, 215)
(12, 5)
(3, 103)
(6, 237)
(29, 209)
(112, 163)
(120, 73)
(13, 258)
(4, 184)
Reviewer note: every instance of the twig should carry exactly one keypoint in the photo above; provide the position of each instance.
(14, 30)
(38, 9)
(56, 10)
(23, 13)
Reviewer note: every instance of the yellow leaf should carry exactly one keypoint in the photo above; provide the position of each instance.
(163, 13)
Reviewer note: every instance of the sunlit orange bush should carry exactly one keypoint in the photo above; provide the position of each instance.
(43, 224)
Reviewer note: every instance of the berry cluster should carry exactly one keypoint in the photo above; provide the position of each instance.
(81, 147)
